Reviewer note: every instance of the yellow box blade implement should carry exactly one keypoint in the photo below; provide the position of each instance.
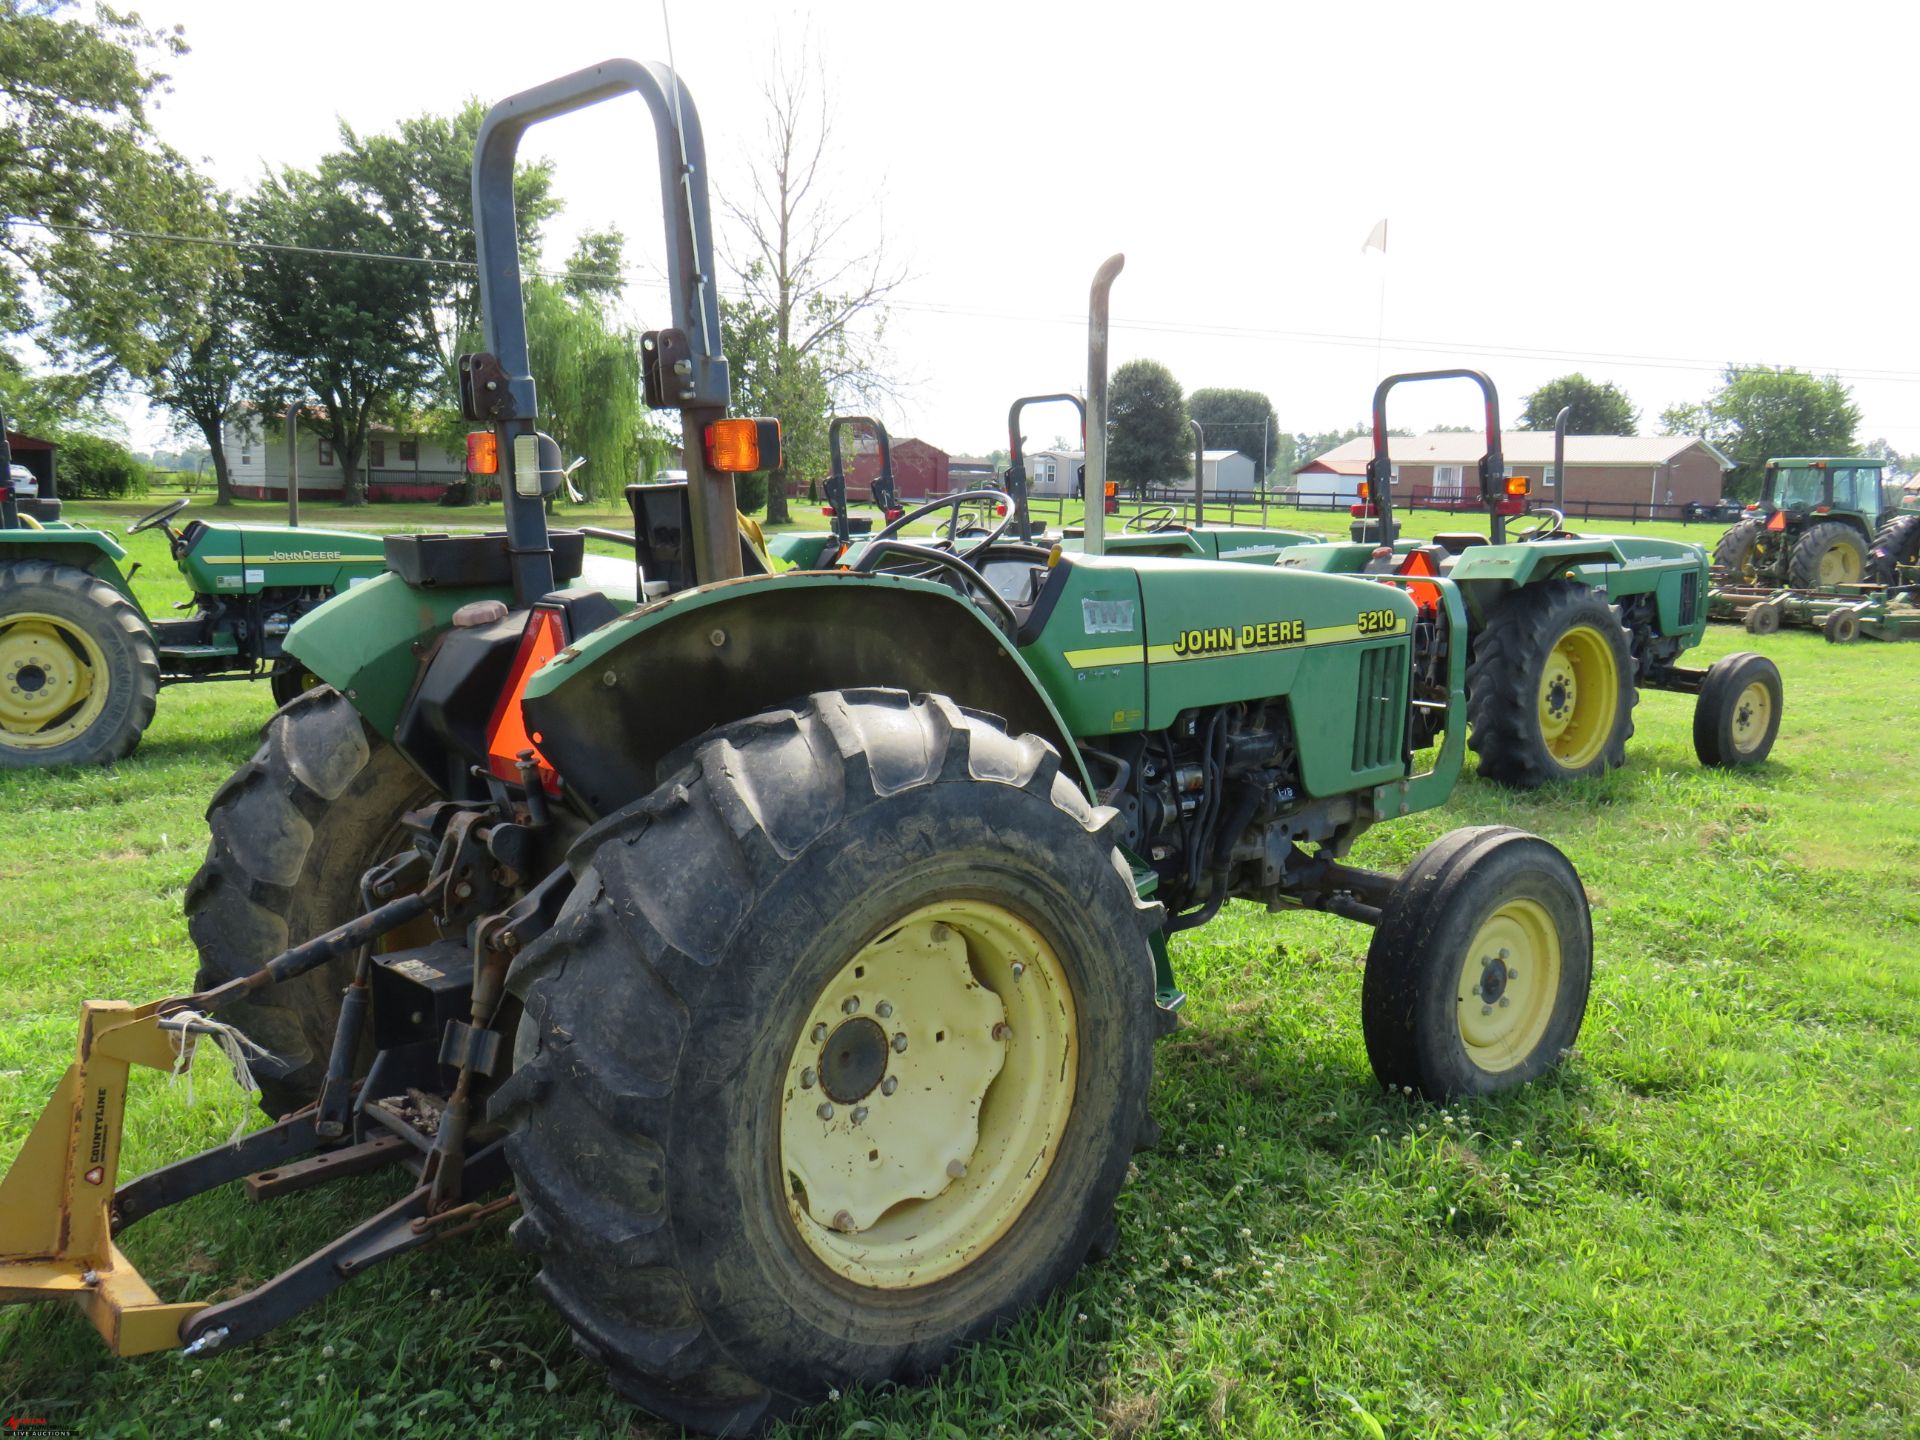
(56, 1202)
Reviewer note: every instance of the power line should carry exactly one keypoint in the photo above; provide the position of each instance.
(1197, 329)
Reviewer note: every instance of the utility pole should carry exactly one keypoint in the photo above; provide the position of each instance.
(293, 464)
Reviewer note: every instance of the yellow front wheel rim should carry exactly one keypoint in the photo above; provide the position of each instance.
(1579, 697)
(53, 681)
(1752, 715)
(1508, 985)
(926, 1094)
(1840, 565)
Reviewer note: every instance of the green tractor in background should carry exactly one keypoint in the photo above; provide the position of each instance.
(788, 949)
(82, 663)
(1563, 630)
(1821, 523)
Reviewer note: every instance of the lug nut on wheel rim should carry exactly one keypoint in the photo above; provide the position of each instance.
(900, 1042)
(807, 1077)
(890, 1084)
(825, 1112)
(843, 1222)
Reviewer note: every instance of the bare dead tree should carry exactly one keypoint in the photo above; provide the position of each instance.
(820, 287)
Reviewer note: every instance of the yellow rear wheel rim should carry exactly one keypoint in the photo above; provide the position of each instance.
(1840, 565)
(1579, 697)
(926, 1094)
(53, 681)
(1508, 985)
(1752, 714)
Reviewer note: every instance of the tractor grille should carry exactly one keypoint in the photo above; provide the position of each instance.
(1380, 712)
(1689, 596)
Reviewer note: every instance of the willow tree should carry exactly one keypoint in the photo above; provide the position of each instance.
(587, 368)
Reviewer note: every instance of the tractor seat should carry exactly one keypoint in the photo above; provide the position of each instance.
(1454, 542)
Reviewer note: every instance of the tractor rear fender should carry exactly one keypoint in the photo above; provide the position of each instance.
(94, 551)
(1619, 567)
(369, 641)
(608, 709)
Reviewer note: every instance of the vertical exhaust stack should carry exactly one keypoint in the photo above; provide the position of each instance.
(1560, 457)
(1094, 541)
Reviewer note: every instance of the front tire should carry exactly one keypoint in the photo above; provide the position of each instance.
(1550, 690)
(1737, 715)
(1828, 556)
(79, 674)
(290, 679)
(293, 830)
(1478, 974)
(834, 1060)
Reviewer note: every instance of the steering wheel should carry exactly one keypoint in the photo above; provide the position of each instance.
(1548, 522)
(893, 527)
(1164, 517)
(974, 517)
(156, 517)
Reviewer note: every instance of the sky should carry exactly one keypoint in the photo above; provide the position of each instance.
(1640, 192)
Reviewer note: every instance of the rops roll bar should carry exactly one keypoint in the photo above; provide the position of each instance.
(685, 368)
(1094, 536)
(837, 478)
(1016, 476)
(1492, 465)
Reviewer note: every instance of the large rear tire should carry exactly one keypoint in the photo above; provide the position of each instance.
(1895, 548)
(79, 674)
(1747, 553)
(1550, 691)
(1828, 556)
(1478, 974)
(833, 1061)
(293, 830)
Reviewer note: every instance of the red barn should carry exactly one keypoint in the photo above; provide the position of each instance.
(919, 469)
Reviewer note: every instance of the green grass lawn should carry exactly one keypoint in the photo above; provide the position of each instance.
(1708, 1225)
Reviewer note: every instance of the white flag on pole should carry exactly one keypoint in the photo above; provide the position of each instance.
(1376, 239)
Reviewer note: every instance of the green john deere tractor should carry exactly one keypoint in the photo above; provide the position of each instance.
(82, 663)
(1563, 630)
(787, 948)
(1822, 523)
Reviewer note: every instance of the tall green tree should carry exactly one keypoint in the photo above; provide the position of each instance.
(1151, 442)
(345, 328)
(204, 365)
(420, 178)
(1761, 411)
(1240, 420)
(80, 168)
(1599, 407)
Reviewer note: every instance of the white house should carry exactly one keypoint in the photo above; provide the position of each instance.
(1054, 473)
(397, 465)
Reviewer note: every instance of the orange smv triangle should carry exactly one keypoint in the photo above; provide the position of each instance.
(95, 1175)
(1779, 520)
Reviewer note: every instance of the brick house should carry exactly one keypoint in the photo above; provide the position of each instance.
(1605, 470)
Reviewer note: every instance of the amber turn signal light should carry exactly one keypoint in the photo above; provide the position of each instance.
(743, 446)
(483, 453)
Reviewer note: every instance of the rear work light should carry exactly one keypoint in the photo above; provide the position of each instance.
(742, 446)
(507, 734)
(1517, 485)
(483, 453)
